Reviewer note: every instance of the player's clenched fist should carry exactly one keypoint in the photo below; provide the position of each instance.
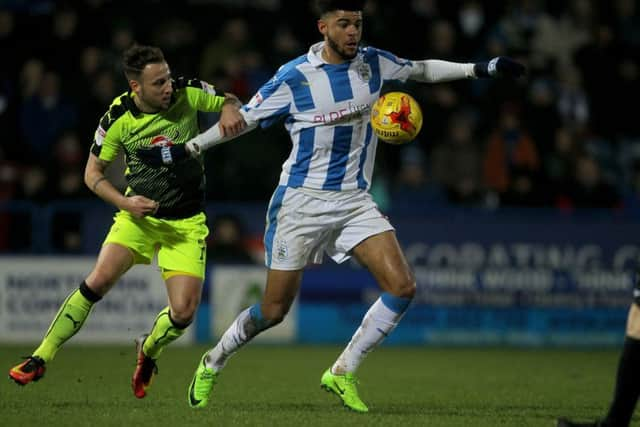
(140, 206)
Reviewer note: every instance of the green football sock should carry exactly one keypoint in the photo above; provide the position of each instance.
(70, 318)
(164, 331)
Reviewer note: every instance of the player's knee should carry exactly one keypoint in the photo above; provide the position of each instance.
(100, 281)
(274, 313)
(405, 287)
(183, 312)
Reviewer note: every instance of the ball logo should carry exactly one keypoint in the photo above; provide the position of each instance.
(402, 116)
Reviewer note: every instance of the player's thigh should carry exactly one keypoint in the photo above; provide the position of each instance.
(282, 288)
(633, 321)
(113, 261)
(382, 255)
(183, 247)
(297, 227)
(136, 234)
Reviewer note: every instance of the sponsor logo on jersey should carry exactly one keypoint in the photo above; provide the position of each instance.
(163, 140)
(343, 115)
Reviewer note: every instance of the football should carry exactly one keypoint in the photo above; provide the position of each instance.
(396, 118)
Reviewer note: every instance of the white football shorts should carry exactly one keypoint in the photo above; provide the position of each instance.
(302, 224)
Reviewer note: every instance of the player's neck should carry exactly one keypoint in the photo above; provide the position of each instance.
(331, 56)
(143, 106)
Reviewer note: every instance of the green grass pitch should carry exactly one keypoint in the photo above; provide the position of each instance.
(279, 386)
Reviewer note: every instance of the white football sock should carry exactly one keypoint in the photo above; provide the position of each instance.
(376, 325)
(241, 331)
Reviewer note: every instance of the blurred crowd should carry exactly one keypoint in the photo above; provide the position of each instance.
(566, 136)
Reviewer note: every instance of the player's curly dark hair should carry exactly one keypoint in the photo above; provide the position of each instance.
(137, 57)
(326, 6)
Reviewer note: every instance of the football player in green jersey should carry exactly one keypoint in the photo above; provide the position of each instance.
(161, 212)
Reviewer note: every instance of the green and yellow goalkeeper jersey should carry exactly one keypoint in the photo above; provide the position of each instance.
(179, 188)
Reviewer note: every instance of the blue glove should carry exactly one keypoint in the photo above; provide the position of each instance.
(498, 67)
(162, 156)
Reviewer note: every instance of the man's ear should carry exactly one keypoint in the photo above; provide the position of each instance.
(134, 85)
(322, 27)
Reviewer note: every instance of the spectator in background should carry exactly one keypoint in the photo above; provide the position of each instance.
(9, 182)
(68, 184)
(631, 195)
(177, 36)
(509, 149)
(572, 101)
(419, 17)
(626, 22)
(598, 61)
(472, 26)
(525, 190)
(555, 39)
(559, 162)
(588, 188)
(31, 76)
(519, 23)
(9, 116)
(99, 91)
(9, 39)
(541, 116)
(65, 45)
(414, 191)
(67, 168)
(227, 242)
(456, 161)
(45, 116)
(283, 46)
(439, 101)
(233, 40)
(34, 185)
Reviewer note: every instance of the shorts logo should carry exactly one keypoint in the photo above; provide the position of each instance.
(282, 251)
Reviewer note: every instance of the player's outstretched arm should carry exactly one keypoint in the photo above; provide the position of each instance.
(168, 155)
(435, 70)
(500, 67)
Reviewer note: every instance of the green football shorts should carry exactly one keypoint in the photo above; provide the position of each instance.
(179, 243)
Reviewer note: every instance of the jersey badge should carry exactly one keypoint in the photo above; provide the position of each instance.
(364, 71)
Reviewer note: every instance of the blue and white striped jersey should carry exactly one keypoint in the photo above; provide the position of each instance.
(326, 109)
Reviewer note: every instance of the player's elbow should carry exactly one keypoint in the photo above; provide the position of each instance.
(88, 177)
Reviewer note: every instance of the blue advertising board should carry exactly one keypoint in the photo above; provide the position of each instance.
(521, 281)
